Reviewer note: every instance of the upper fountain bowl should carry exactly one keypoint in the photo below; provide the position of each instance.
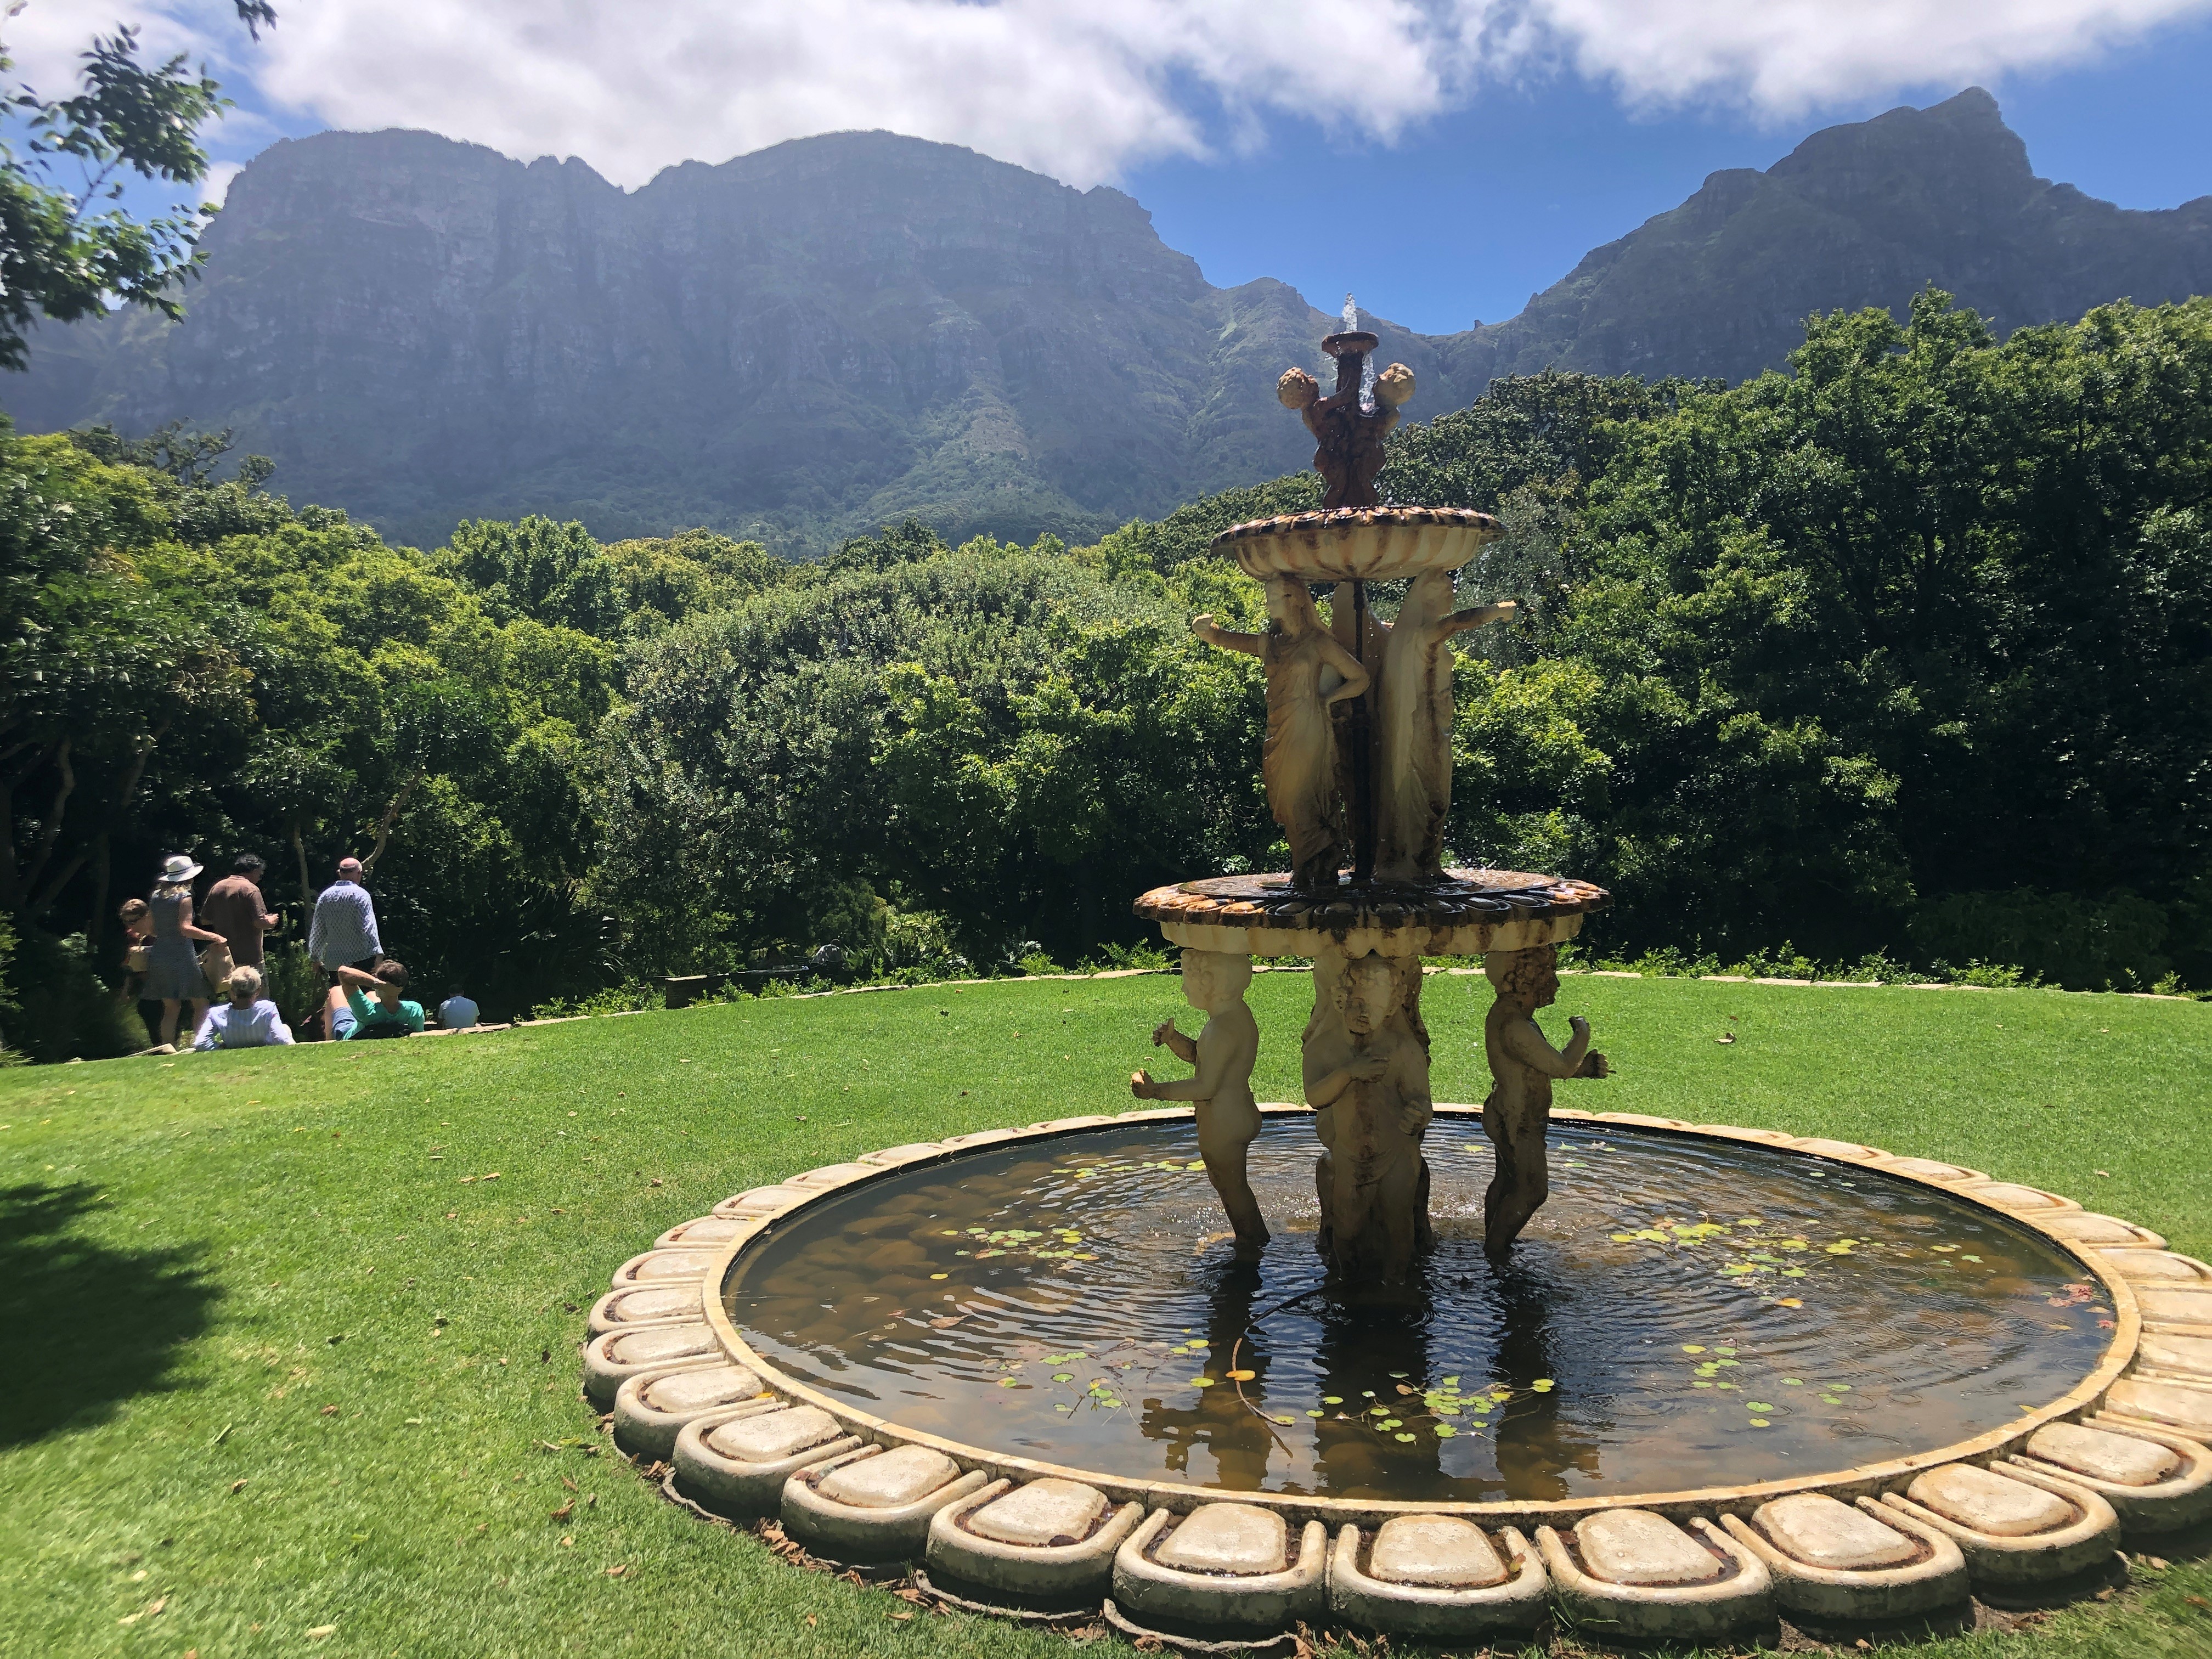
(1367, 544)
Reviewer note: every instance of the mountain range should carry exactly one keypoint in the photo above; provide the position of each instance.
(820, 337)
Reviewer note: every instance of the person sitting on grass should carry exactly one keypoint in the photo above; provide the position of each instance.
(353, 1015)
(248, 1020)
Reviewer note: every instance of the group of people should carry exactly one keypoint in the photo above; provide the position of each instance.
(176, 954)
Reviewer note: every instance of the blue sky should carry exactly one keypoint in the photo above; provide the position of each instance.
(1487, 206)
(1480, 147)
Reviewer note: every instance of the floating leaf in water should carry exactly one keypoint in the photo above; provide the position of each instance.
(1200, 1165)
(1793, 1382)
(1063, 1376)
(940, 1275)
(952, 1232)
(1317, 1414)
(1724, 1385)
(1723, 1349)
(1701, 1385)
(1694, 1347)
(1542, 1385)
(1332, 1400)
(1393, 1423)
(1201, 1382)
(1839, 1387)
(1010, 1382)
(1445, 1431)
(1760, 1423)
(1793, 1272)
(1788, 1302)
(1403, 1437)
(1970, 1258)
(1759, 1406)
(1241, 1377)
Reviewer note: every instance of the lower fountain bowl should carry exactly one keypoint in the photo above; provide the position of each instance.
(1371, 544)
(1732, 1374)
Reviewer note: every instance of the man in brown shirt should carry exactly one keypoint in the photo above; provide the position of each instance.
(235, 908)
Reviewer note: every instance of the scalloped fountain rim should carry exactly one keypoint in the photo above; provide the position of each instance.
(1863, 1479)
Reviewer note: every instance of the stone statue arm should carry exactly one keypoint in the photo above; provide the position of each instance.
(1526, 1041)
(1354, 672)
(1358, 1069)
(1475, 617)
(1184, 1048)
(1219, 1054)
(1213, 633)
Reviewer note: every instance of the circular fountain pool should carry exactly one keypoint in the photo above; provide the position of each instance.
(1686, 1311)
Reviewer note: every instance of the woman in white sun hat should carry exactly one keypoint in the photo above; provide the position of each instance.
(173, 973)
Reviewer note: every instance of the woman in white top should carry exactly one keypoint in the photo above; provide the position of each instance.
(248, 1020)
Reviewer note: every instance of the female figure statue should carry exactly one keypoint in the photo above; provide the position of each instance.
(1413, 759)
(1308, 672)
(1221, 1091)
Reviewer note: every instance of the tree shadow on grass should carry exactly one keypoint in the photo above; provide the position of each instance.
(90, 1326)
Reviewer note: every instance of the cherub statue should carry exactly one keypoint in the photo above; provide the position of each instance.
(1308, 672)
(1221, 1091)
(1367, 1077)
(1522, 1064)
(1413, 758)
(1349, 439)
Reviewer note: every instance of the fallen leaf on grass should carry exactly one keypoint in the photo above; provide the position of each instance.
(564, 1511)
(618, 1569)
(810, 1621)
(146, 1611)
(565, 1480)
(567, 1541)
(328, 1411)
(321, 1630)
(236, 1487)
(900, 1617)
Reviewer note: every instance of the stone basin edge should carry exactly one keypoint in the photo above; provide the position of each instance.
(1869, 1479)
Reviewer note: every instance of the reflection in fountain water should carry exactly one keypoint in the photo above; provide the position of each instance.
(1679, 1306)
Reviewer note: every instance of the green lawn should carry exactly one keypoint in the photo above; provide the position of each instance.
(264, 1268)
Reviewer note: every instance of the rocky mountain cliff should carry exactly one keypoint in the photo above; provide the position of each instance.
(812, 340)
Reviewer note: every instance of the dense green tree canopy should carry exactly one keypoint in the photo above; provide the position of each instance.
(1904, 650)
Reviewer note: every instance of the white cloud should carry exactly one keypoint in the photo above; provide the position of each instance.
(1782, 57)
(1083, 89)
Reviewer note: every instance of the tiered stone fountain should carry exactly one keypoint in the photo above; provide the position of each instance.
(1728, 1377)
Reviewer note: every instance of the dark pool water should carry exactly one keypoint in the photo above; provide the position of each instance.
(1682, 1313)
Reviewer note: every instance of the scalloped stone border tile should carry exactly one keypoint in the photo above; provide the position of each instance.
(2013, 1527)
(2181, 1405)
(663, 1267)
(705, 1233)
(1438, 1610)
(848, 1512)
(611, 1358)
(2101, 1232)
(2120, 1462)
(1049, 1539)
(1934, 1170)
(889, 1158)
(2016, 1198)
(741, 1475)
(652, 1406)
(1238, 1566)
(1837, 1560)
(635, 1305)
(1632, 1574)
(762, 1202)
(2167, 1268)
